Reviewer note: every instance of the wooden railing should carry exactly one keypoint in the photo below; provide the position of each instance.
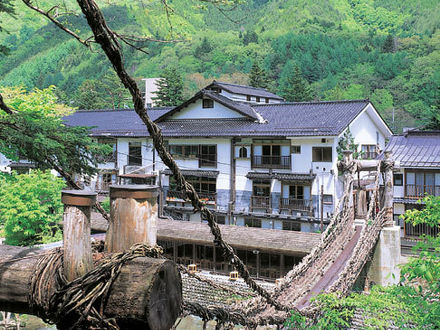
(272, 162)
(204, 196)
(420, 229)
(419, 191)
(296, 204)
(261, 202)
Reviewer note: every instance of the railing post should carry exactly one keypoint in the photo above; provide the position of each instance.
(387, 167)
(133, 216)
(77, 259)
(348, 170)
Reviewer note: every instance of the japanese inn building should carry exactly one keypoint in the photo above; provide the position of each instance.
(255, 159)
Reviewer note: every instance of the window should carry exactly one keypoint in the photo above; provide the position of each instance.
(290, 225)
(248, 98)
(261, 187)
(398, 179)
(327, 199)
(296, 192)
(134, 154)
(243, 152)
(204, 186)
(184, 151)
(322, 154)
(207, 103)
(368, 151)
(267, 100)
(252, 222)
(257, 99)
(295, 149)
(208, 155)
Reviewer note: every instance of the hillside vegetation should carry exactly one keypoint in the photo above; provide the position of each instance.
(388, 51)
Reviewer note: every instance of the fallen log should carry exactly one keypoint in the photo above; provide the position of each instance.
(147, 294)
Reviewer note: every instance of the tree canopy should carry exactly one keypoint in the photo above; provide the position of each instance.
(170, 88)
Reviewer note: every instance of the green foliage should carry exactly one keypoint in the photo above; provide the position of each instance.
(170, 88)
(36, 132)
(5, 7)
(294, 88)
(389, 45)
(31, 208)
(346, 142)
(106, 205)
(250, 36)
(258, 76)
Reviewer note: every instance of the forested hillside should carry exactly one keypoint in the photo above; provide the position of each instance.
(385, 50)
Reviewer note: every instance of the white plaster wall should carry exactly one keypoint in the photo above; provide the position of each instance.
(364, 129)
(243, 166)
(275, 186)
(122, 153)
(196, 111)
(399, 208)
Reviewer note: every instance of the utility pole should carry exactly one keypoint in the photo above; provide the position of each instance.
(322, 208)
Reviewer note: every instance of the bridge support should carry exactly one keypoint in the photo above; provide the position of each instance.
(384, 269)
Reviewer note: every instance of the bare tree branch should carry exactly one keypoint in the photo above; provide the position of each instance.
(47, 14)
(4, 107)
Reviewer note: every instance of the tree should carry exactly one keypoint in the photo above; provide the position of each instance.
(88, 97)
(346, 142)
(204, 48)
(170, 88)
(31, 208)
(250, 36)
(295, 88)
(32, 127)
(5, 7)
(258, 76)
(113, 92)
(389, 45)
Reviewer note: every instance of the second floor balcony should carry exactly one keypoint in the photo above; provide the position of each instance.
(295, 204)
(420, 191)
(280, 162)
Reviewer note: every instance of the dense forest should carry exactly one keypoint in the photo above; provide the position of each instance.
(387, 51)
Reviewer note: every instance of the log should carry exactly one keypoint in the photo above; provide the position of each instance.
(147, 294)
(133, 216)
(77, 257)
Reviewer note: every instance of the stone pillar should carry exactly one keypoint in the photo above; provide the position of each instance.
(77, 259)
(133, 216)
(384, 269)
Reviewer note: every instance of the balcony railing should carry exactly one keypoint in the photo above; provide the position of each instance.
(295, 204)
(419, 191)
(272, 162)
(369, 155)
(261, 202)
(420, 229)
(175, 195)
(110, 158)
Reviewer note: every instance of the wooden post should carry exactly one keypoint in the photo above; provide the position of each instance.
(77, 259)
(133, 216)
(322, 208)
(388, 165)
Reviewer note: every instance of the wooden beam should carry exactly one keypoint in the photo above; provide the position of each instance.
(147, 294)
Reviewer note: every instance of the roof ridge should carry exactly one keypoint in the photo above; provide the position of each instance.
(238, 85)
(312, 102)
(121, 109)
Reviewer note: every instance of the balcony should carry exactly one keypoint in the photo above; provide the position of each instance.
(293, 204)
(261, 202)
(419, 191)
(281, 162)
(178, 196)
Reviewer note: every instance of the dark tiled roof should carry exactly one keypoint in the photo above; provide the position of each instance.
(199, 173)
(408, 200)
(415, 149)
(284, 119)
(244, 90)
(296, 177)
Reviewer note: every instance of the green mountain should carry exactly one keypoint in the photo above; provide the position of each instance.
(385, 50)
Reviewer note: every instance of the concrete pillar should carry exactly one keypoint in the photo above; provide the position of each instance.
(384, 268)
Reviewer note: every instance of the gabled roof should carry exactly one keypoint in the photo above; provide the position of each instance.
(244, 90)
(415, 149)
(243, 108)
(329, 118)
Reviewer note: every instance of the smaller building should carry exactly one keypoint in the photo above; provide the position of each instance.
(418, 153)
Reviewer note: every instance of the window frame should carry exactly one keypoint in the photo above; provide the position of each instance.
(322, 159)
(207, 103)
(208, 159)
(296, 149)
(395, 176)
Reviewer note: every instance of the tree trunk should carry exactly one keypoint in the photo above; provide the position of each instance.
(147, 294)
